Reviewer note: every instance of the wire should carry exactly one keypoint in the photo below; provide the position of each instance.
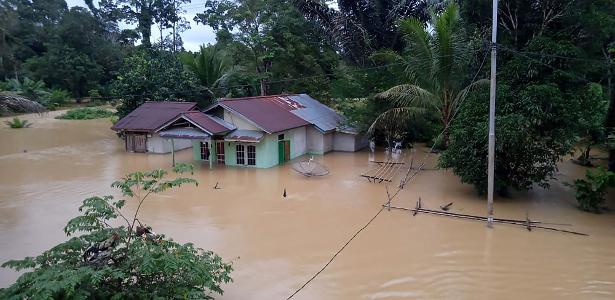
(546, 65)
(600, 61)
(336, 254)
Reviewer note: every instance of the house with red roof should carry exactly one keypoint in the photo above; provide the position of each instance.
(261, 131)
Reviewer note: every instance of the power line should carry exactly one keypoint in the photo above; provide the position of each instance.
(542, 54)
(545, 64)
(401, 186)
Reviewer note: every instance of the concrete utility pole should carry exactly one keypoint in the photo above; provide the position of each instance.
(491, 166)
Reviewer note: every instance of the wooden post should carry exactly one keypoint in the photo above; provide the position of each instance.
(173, 151)
(212, 154)
(388, 197)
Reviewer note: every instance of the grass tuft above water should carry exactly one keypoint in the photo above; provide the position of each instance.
(86, 113)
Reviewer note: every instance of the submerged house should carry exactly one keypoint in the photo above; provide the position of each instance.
(140, 127)
(261, 131)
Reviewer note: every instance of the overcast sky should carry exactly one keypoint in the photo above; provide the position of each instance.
(193, 37)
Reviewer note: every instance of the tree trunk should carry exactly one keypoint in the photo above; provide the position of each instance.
(145, 22)
(263, 87)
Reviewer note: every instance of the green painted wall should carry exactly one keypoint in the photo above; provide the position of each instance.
(229, 154)
(196, 150)
(266, 152)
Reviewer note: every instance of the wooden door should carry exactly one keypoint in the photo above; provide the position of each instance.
(220, 152)
(283, 151)
(286, 150)
(136, 142)
(140, 143)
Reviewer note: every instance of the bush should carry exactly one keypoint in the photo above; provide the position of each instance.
(127, 261)
(534, 129)
(591, 191)
(56, 98)
(18, 123)
(86, 113)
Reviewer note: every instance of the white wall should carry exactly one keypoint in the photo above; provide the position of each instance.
(314, 140)
(298, 141)
(344, 142)
(328, 142)
(239, 121)
(156, 144)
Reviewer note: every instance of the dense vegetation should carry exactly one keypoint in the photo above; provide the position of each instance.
(86, 113)
(112, 255)
(418, 65)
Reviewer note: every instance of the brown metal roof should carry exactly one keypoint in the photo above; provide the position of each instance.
(209, 123)
(152, 115)
(249, 136)
(270, 113)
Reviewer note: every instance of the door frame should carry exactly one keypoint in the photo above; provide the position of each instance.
(220, 151)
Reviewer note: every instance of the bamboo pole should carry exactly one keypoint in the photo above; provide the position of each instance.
(532, 224)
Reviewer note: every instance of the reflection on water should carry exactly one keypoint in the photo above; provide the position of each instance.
(277, 243)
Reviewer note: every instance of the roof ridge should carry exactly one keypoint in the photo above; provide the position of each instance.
(256, 97)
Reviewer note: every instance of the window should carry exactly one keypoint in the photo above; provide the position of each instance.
(251, 155)
(240, 151)
(205, 151)
(280, 137)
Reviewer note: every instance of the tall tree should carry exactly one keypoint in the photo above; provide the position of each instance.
(435, 62)
(151, 75)
(210, 67)
(359, 28)
(269, 37)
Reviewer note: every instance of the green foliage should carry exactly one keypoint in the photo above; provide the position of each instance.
(591, 190)
(272, 41)
(56, 97)
(435, 62)
(17, 123)
(358, 28)
(127, 261)
(86, 113)
(210, 66)
(33, 90)
(534, 128)
(150, 75)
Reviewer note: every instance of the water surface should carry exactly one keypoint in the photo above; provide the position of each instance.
(277, 243)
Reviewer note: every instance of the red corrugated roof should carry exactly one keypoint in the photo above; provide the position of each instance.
(270, 113)
(206, 122)
(151, 115)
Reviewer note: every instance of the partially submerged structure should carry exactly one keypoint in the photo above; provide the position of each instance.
(258, 131)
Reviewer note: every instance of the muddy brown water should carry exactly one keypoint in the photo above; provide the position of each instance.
(277, 243)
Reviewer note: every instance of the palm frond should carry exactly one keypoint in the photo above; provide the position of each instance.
(407, 95)
(460, 97)
(395, 116)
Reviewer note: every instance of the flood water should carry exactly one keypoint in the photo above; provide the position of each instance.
(277, 243)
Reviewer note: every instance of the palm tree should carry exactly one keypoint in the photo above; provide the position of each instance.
(435, 62)
(209, 65)
(33, 90)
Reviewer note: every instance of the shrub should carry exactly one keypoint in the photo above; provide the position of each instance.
(591, 190)
(56, 98)
(86, 113)
(126, 261)
(34, 90)
(534, 129)
(18, 123)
